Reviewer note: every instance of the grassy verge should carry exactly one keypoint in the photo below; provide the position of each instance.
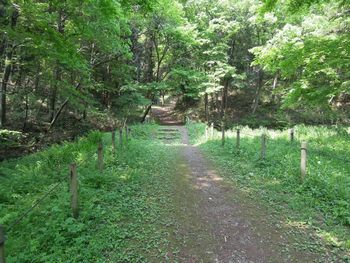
(321, 202)
(123, 209)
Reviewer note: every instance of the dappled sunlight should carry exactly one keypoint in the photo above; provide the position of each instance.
(297, 224)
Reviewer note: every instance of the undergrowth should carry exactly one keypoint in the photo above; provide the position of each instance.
(321, 201)
(122, 210)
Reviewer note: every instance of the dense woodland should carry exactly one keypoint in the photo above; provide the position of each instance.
(267, 181)
(73, 65)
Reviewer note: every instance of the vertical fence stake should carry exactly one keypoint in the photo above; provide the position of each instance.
(292, 134)
(113, 142)
(100, 157)
(212, 130)
(206, 133)
(74, 190)
(2, 244)
(303, 160)
(222, 134)
(121, 138)
(263, 146)
(238, 142)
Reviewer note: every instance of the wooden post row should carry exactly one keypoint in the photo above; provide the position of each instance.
(113, 142)
(2, 244)
(263, 146)
(238, 142)
(100, 157)
(303, 160)
(74, 190)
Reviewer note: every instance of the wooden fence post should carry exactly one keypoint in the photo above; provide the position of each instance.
(113, 142)
(292, 134)
(206, 133)
(303, 160)
(74, 190)
(238, 142)
(263, 146)
(212, 130)
(100, 157)
(2, 244)
(222, 134)
(121, 138)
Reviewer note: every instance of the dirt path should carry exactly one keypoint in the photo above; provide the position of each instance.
(216, 222)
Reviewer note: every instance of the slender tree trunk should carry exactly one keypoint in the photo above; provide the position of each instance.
(149, 62)
(2, 45)
(149, 107)
(206, 107)
(258, 91)
(3, 87)
(224, 100)
(274, 86)
(53, 93)
(55, 118)
(58, 71)
(212, 103)
(25, 113)
(7, 71)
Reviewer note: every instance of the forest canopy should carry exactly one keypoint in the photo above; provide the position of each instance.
(111, 59)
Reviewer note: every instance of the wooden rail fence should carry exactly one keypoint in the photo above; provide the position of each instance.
(263, 144)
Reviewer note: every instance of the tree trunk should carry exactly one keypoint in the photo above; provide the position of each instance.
(258, 91)
(206, 107)
(53, 94)
(224, 100)
(25, 113)
(149, 77)
(55, 118)
(58, 72)
(149, 107)
(274, 86)
(7, 71)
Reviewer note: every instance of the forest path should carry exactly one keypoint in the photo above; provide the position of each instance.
(216, 223)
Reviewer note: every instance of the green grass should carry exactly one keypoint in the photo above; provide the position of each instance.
(123, 210)
(321, 202)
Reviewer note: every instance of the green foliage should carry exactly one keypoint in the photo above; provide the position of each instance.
(311, 54)
(123, 209)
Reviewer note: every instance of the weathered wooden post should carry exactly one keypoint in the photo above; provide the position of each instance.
(222, 133)
(121, 138)
(212, 130)
(303, 160)
(206, 132)
(238, 138)
(74, 190)
(100, 157)
(263, 146)
(291, 134)
(113, 142)
(2, 244)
